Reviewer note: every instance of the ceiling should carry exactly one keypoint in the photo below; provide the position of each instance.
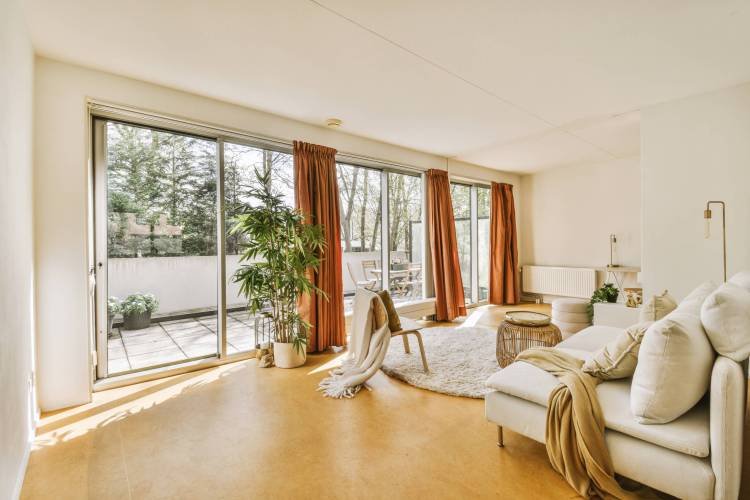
(513, 85)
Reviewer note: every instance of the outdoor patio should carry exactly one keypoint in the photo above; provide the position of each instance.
(176, 340)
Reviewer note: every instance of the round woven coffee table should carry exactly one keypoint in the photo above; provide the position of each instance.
(522, 330)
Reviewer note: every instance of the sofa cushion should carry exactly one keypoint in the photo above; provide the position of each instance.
(591, 338)
(688, 434)
(524, 380)
(742, 279)
(619, 357)
(657, 307)
(693, 302)
(674, 369)
(726, 317)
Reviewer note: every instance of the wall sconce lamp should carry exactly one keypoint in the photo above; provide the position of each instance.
(707, 217)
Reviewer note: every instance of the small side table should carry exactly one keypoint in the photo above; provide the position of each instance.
(513, 338)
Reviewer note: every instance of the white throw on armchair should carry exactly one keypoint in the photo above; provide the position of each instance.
(698, 455)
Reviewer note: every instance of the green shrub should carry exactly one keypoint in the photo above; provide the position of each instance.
(113, 306)
(139, 303)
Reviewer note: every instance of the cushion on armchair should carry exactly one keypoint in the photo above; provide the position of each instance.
(394, 322)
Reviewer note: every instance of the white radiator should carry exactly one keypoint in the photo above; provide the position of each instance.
(563, 281)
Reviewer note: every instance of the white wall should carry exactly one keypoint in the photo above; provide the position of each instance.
(693, 150)
(61, 142)
(16, 248)
(569, 213)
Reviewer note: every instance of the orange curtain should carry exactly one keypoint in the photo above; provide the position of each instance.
(446, 270)
(504, 283)
(316, 195)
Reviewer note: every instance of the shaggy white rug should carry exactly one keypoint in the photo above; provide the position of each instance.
(461, 359)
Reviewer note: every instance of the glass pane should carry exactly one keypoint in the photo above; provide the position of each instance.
(405, 235)
(161, 244)
(359, 198)
(483, 242)
(461, 198)
(240, 165)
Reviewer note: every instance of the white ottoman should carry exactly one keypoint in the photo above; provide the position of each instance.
(570, 315)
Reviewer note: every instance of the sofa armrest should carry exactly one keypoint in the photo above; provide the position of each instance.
(728, 393)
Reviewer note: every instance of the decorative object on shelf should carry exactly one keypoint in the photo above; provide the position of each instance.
(113, 308)
(707, 215)
(634, 297)
(513, 339)
(527, 318)
(612, 249)
(137, 309)
(280, 251)
(607, 293)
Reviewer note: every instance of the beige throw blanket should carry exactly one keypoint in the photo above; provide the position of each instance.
(575, 426)
(368, 344)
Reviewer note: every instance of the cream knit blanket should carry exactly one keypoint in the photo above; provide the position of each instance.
(368, 345)
(575, 426)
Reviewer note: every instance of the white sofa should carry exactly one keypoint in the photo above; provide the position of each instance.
(699, 455)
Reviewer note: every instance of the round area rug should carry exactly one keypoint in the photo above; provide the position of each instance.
(461, 359)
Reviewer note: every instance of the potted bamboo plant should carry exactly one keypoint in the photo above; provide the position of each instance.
(279, 253)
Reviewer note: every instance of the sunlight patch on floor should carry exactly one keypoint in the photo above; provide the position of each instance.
(116, 404)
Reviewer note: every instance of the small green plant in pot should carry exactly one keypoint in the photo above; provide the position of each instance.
(113, 309)
(136, 310)
(607, 293)
(279, 253)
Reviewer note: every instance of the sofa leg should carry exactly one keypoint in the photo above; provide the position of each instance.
(500, 443)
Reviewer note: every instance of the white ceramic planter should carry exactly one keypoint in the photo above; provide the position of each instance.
(286, 356)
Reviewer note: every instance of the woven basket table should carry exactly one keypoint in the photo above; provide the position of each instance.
(513, 338)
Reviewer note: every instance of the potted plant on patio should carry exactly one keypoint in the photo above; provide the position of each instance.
(113, 308)
(136, 310)
(279, 253)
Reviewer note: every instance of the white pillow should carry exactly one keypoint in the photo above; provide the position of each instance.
(657, 307)
(673, 371)
(742, 279)
(726, 317)
(619, 357)
(693, 302)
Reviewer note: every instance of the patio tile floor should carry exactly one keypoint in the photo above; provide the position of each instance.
(176, 340)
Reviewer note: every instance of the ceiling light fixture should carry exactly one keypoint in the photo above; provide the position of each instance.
(333, 123)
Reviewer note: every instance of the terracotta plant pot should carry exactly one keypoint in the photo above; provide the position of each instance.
(286, 356)
(136, 321)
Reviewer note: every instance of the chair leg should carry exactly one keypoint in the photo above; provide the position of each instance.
(500, 443)
(421, 352)
(407, 349)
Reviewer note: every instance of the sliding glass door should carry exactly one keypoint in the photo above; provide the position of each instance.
(165, 266)
(461, 198)
(241, 165)
(471, 211)
(156, 247)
